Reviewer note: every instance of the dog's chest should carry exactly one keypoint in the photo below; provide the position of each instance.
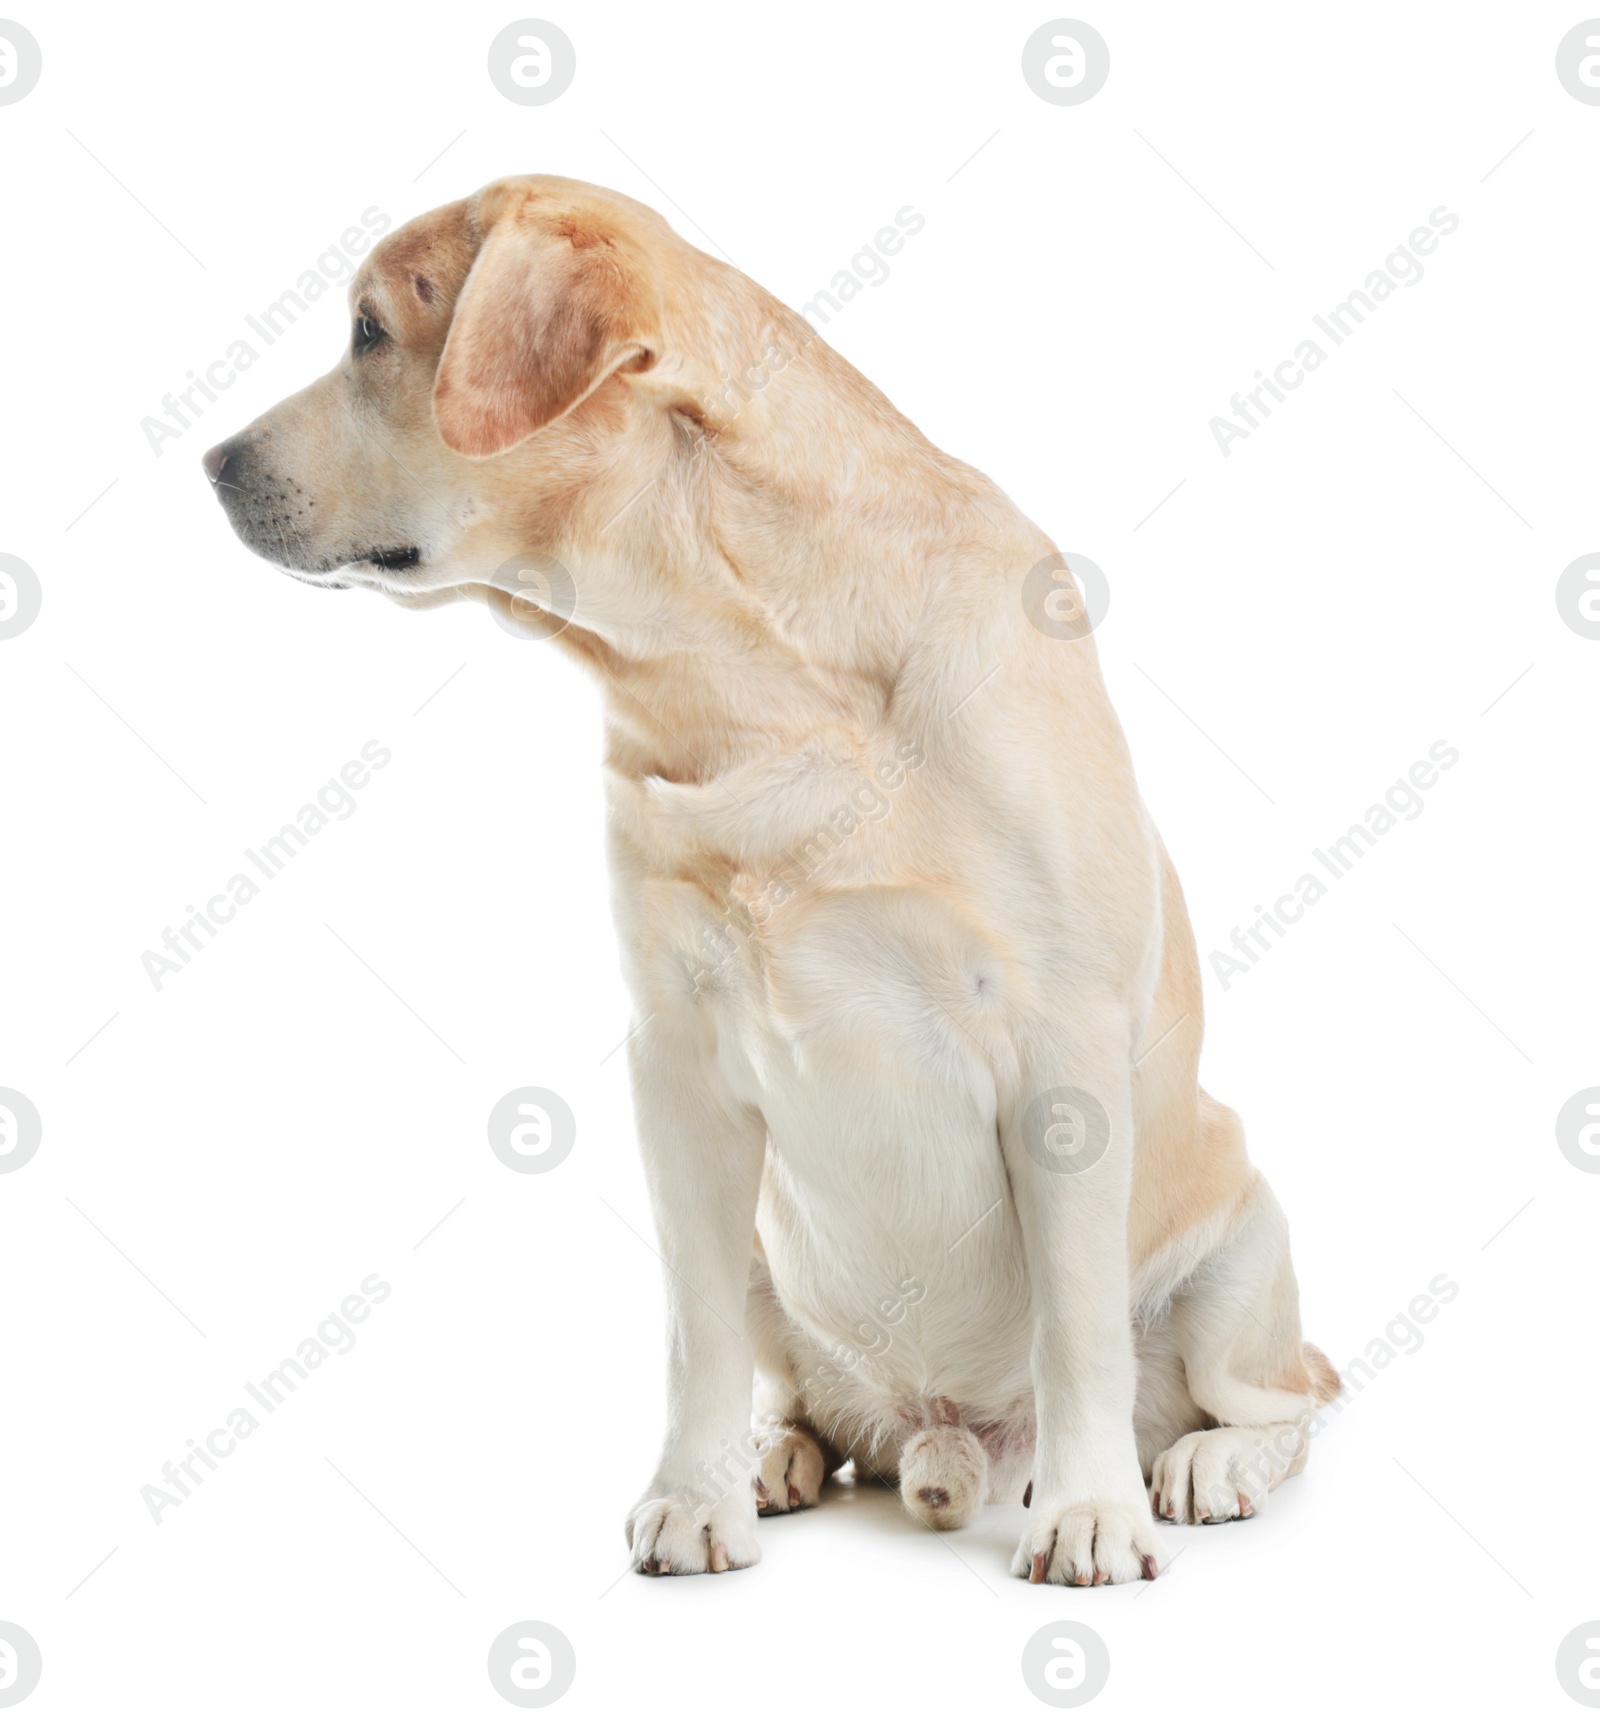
(817, 949)
(870, 1020)
(838, 1010)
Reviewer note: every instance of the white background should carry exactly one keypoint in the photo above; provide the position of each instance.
(298, 1109)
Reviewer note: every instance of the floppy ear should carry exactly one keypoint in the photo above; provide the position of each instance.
(550, 309)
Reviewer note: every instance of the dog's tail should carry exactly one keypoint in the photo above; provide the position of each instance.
(1325, 1382)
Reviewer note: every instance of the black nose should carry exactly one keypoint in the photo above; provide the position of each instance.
(217, 460)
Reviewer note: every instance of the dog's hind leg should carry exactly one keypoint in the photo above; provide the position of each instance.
(1246, 1375)
(792, 1459)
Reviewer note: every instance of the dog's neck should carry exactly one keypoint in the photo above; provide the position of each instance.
(763, 591)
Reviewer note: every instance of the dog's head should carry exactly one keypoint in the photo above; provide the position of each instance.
(488, 386)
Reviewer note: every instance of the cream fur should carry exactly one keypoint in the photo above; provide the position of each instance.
(882, 877)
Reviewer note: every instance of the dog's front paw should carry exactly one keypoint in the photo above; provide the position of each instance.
(1089, 1542)
(677, 1534)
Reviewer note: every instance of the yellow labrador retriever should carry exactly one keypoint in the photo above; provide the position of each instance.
(919, 1014)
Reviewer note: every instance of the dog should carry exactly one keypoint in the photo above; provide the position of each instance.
(918, 1003)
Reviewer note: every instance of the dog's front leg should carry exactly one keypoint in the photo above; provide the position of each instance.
(1067, 1138)
(703, 1154)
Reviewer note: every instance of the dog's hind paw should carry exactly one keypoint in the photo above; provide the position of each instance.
(1213, 1476)
(944, 1475)
(790, 1471)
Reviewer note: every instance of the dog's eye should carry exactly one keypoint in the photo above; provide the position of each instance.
(368, 333)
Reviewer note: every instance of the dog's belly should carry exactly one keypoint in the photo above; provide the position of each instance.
(886, 1218)
(899, 1284)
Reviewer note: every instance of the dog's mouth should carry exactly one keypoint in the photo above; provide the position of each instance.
(393, 558)
(347, 572)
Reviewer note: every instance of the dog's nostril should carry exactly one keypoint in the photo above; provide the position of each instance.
(216, 461)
